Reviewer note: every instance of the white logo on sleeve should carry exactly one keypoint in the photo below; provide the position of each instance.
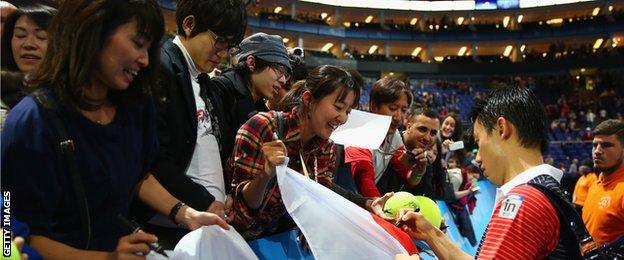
(510, 206)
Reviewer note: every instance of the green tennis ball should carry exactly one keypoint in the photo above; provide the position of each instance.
(15, 254)
(400, 200)
(430, 210)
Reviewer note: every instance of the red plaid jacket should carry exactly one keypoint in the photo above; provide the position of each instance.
(247, 163)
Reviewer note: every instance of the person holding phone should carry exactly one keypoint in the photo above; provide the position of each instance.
(393, 165)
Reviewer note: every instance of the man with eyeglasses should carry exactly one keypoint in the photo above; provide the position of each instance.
(194, 135)
(262, 69)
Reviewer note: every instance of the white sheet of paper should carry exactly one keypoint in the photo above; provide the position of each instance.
(362, 129)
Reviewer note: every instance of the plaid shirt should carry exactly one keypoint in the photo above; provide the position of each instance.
(247, 163)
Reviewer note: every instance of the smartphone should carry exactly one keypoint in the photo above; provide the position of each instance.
(456, 146)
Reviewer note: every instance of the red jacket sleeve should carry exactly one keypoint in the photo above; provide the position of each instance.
(361, 164)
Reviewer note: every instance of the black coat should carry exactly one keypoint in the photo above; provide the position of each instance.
(177, 128)
(240, 102)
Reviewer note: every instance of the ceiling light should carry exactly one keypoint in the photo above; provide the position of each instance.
(555, 21)
(277, 9)
(414, 21)
(506, 21)
(369, 19)
(522, 48)
(507, 50)
(439, 58)
(323, 15)
(598, 43)
(372, 49)
(327, 46)
(462, 51)
(596, 11)
(416, 51)
(460, 20)
(519, 19)
(347, 24)
(285, 40)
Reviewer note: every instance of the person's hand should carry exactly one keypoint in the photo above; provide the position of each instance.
(274, 153)
(415, 224)
(377, 205)
(446, 143)
(218, 208)
(194, 219)
(228, 206)
(134, 246)
(19, 243)
(415, 158)
(407, 257)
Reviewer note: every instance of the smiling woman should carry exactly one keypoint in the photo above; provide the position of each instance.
(93, 84)
(25, 39)
(265, 141)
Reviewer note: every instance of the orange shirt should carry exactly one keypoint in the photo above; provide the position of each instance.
(603, 212)
(581, 188)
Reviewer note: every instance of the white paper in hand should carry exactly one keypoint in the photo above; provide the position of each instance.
(363, 130)
(210, 242)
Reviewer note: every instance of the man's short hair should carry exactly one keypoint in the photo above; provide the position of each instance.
(388, 90)
(520, 107)
(416, 111)
(611, 127)
(226, 18)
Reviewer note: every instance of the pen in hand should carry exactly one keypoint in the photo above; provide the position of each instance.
(137, 228)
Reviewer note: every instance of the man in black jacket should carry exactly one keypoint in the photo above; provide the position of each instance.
(194, 132)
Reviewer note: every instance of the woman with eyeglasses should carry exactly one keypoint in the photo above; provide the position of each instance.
(262, 70)
(303, 136)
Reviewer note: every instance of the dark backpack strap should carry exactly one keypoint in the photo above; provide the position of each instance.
(280, 124)
(569, 220)
(68, 149)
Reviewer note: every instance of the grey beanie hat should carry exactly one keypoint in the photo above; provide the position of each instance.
(269, 48)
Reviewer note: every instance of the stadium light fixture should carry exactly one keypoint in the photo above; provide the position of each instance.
(373, 49)
(462, 51)
(522, 48)
(369, 19)
(278, 9)
(596, 11)
(327, 46)
(323, 15)
(598, 43)
(507, 50)
(460, 20)
(416, 51)
(414, 21)
(506, 21)
(555, 21)
(519, 19)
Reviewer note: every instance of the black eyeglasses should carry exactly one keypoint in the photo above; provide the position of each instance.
(281, 70)
(221, 43)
